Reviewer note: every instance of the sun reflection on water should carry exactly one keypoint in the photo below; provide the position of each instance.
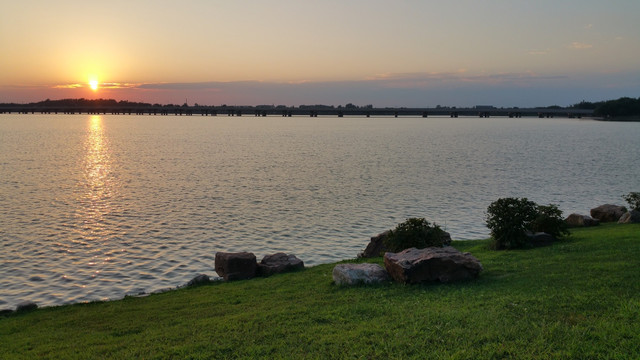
(98, 181)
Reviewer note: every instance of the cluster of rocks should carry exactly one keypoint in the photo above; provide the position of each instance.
(412, 266)
(602, 214)
(230, 266)
(243, 265)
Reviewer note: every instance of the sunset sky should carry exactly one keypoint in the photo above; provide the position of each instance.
(293, 52)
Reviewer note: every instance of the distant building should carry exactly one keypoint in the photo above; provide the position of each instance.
(484, 107)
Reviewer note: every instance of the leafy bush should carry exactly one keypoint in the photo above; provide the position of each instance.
(633, 199)
(512, 219)
(549, 220)
(509, 220)
(414, 232)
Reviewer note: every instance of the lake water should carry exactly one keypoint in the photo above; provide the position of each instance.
(95, 207)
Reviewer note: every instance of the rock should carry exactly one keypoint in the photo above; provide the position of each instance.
(353, 274)
(446, 238)
(541, 239)
(608, 212)
(26, 306)
(199, 280)
(376, 247)
(431, 264)
(4, 312)
(162, 290)
(278, 263)
(236, 266)
(630, 217)
(577, 220)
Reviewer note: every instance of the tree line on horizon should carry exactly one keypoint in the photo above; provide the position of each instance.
(624, 106)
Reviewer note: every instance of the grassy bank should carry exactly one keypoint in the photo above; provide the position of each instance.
(579, 298)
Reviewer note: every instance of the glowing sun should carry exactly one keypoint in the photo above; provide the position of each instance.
(93, 84)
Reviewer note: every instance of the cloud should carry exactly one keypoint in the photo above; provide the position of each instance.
(580, 46)
(69, 86)
(112, 85)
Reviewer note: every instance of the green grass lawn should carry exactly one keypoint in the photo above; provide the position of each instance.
(579, 298)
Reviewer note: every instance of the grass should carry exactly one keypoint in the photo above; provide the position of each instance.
(579, 298)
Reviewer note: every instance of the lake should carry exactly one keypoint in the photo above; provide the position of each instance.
(94, 207)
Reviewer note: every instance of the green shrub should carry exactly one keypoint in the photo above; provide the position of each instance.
(509, 220)
(549, 220)
(512, 219)
(633, 199)
(414, 232)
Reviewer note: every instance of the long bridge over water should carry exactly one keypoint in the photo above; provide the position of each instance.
(312, 111)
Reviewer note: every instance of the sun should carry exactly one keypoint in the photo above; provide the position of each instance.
(93, 84)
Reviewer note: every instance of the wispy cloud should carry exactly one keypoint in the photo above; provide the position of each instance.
(111, 85)
(69, 86)
(580, 46)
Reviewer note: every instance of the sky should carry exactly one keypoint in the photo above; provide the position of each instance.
(295, 52)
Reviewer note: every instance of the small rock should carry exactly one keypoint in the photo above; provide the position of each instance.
(163, 290)
(630, 217)
(431, 264)
(541, 239)
(26, 306)
(353, 274)
(578, 220)
(6, 312)
(278, 263)
(236, 266)
(199, 280)
(608, 212)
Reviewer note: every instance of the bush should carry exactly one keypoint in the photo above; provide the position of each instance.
(509, 220)
(633, 199)
(414, 232)
(549, 220)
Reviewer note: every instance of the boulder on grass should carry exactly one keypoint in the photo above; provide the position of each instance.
(608, 212)
(577, 220)
(199, 280)
(630, 217)
(236, 266)
(447, 264)
(26, 306)
(279, 263)
(353, 274)
(541, 239)
(376, 247)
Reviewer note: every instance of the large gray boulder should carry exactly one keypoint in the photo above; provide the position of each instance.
(376, 247)
(236, 266)
(432, 264)
(630, 217)
(279, 263)
(608, 212)
(353, 274)
(577, 220)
